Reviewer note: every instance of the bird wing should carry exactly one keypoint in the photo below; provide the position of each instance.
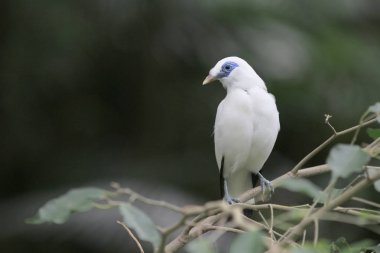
(221, 178)
(265, 120)
(217, 139)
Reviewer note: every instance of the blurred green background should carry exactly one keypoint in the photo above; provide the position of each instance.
(111, 90)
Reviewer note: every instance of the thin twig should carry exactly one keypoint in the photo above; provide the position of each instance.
(371, 226)
(327, 121)
(132, 236)
(271, 206)
(329, 189)
(271, 222)
(367, 202)
(175, 226)
(303, 237)
(221, 228)
(192, 231)
(358, 129)
(373, 149)
(363, 214)
(316, 232)
(136, 196)
(223, 222)
(264, 220)
(353, 182)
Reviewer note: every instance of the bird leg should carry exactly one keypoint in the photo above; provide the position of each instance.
(265, 185)
(227, 197)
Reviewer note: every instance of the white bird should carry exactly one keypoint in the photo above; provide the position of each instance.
(246, 127)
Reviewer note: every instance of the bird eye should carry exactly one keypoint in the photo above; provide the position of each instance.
(227, 67)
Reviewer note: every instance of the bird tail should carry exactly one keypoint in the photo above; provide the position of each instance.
(238, 183)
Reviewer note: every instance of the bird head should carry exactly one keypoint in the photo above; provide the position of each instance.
(232, 70)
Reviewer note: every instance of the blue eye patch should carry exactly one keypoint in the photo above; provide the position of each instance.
(227, 68)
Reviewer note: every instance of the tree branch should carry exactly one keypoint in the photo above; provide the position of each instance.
(328, 141)
(192, 232)
(316, 170)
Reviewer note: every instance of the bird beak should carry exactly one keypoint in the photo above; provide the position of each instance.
(209, 79)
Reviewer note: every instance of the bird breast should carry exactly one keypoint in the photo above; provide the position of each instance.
(246, 128)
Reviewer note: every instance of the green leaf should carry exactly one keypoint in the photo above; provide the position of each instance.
(301, 185)
(200, 245)
(58, 210)
(376, 110)
(372, 172)
(374, 133)
(141, 223)
(345, 159)
(250, 242)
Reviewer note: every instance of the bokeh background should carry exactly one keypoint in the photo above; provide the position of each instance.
(110, 90)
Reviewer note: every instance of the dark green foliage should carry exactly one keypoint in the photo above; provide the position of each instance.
(374, 133)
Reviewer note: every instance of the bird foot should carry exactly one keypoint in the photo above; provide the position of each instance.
(230, 200)
(266, 186)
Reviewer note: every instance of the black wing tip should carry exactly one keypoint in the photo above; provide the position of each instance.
(221, 178)
(254, 179)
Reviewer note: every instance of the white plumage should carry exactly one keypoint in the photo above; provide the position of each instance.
(246, 126)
